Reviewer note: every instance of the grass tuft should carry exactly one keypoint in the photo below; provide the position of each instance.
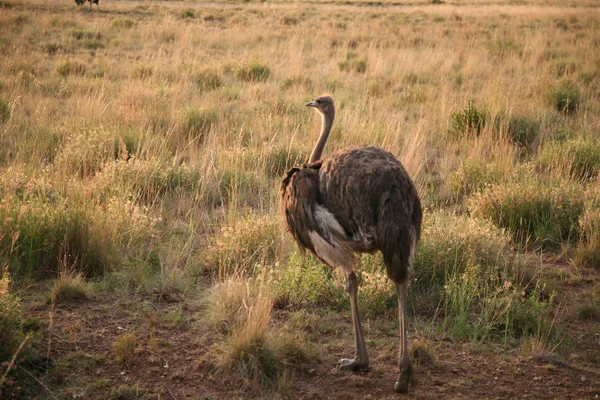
(565, 97)
(469, 121)
(124, 347)
(254, 72)
(535, 212)
(70, 286)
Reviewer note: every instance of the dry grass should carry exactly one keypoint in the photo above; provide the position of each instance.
(148, 141)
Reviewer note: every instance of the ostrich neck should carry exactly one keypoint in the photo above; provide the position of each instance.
(326, 124)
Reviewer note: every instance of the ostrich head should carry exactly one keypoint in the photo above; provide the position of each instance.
(323, 104)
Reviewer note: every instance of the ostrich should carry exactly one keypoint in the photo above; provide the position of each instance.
(359, 199)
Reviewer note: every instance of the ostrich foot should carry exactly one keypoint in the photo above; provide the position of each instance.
(401, 386)
(348, 364)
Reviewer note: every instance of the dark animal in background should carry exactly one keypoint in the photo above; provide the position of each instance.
(358, 200)
(80, 2)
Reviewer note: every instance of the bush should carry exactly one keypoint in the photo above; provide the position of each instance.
(523, 130)
(449, 243)
(71, 67)
(565, 97)
(208, 80)
(240, 308)
(472, 176)
(578, 158)
(70, 286)
(279, 160)
(466, 271)
(297, 81)
(197, 123)
(468, 121)
(124, 347)
(254, 72)
(40, 233)
(240, 247)
(306, 281)
(145, 180)
(353, 63)
(542, 212)
(120, 22)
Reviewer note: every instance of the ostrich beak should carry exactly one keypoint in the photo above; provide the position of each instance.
(311, 104)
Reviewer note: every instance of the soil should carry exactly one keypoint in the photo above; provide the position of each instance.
(172, 358)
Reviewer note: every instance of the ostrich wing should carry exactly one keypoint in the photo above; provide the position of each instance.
(312, 225)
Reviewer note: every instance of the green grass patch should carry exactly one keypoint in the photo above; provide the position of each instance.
(577, 158)
(536, 213)
(468, 121)
(565, 97)
(240, 247)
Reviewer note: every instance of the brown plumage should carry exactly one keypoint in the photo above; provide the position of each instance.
(360, 199)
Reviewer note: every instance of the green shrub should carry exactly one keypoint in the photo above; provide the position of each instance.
(353, 63)
(51, 48)
(589, 310)
(305, 281)
(208, 80)
(297, 81)
(523, 130)
(188, 14)
(4, 111)
(71, 67)
(379, 86)
(449, 243)
(279, 160)
(120, 22)
(466, 272)
(198, 122)
(472, 176)
(145, 180)
(468, 121)
(70, 286)
(124, 347)
(376, 293)
(578, 158)
(42, 229)
(84, 34)
(565, 97)
(143, 71)
(240, 247)
(254, 72)
(546, 213)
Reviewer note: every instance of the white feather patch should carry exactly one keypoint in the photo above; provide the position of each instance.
(329, 223)
(335, 255)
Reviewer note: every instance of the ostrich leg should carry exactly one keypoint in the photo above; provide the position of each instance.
(361, 359)
(405, 364)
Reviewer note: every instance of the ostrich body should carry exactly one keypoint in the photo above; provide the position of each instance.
(357, 200)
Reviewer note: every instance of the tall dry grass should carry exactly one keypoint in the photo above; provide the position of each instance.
(149, 140)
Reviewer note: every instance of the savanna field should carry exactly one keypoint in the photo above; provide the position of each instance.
(142, 246)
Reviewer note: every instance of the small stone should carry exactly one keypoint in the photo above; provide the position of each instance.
(583, 378)
(536, 378)
(312, 371)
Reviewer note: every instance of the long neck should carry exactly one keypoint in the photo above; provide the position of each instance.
(326, 124)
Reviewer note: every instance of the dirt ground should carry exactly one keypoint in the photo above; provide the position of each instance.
(172, 360)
